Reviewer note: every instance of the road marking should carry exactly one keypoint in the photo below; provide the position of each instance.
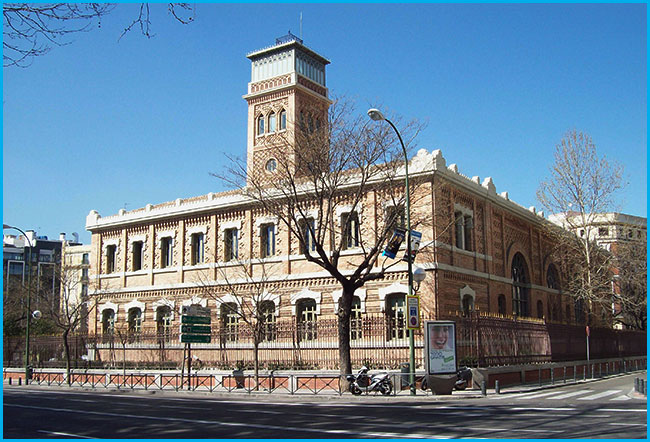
(57, 433)
(627, 425)
(570, 394)
(372, 434)
(625, 410)
(536, 396)
(621, 398)
(599, 395)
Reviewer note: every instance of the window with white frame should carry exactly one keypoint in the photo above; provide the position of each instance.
(283, 119)
(108, 324)
(350, 229)
(166, 252)
(231, 244)
(135, 324)
(198, 246)
(260, 125)
(229, 321)
(111, 258)
(164, 323)
(267, 240)
(136, 255)
(306, 318)
(272, 122)
(464, 225)
(395, 314)
(356, 324)
(307, 232)
(267, 316)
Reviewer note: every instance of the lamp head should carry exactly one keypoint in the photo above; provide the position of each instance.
(419, 275)
(37, 315)
(375, 115)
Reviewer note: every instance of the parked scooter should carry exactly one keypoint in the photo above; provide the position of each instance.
(363, 382)
(463, 379)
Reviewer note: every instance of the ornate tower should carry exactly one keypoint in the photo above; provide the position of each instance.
(287, 92)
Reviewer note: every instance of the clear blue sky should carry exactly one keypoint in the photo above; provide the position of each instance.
(105, 124)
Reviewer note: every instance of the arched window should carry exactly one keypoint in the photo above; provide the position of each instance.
(350, 230)
(540, 309)
(164, 323)
(306, 319)
(501, 304)
(135, 324)
(468, 304)
(267, 317)
(579, 308)
(520, 289)
(272, 122)
(260, 125)
(552, 280)
(108, 324)
(229, 321)
(283, 119)
(396, 316)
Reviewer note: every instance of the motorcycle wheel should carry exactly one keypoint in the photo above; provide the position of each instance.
(461, 385)
(355, 390)
(387, 388)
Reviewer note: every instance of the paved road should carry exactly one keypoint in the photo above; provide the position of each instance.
(592, 410)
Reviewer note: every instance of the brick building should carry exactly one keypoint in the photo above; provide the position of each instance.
(480, 250)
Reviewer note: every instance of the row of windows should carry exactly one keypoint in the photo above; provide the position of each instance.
(267, 124)
(351, 238)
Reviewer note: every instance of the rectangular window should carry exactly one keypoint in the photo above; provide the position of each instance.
(111, 252)
(395, 217)
(166, 252)
(267, 240)
(85, 259)
(137, 255)
(350, 229)
(307, 233)
(356, 329)
(84, 290)
(460, 231)
(197, 248)
(231, 243)
(467, 229)
(603, 231)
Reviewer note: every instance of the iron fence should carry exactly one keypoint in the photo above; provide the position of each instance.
(482, 340)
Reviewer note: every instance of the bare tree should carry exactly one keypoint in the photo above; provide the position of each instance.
(581, 187)
(630, 285)
(248, 298)
(32, 29)
(68, 304)
(326, 174)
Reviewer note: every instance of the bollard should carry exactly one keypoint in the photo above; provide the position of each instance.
(600, 370)
(552, 376)
(593, 371)
(9, 381)
(636, 385)
(483, 388)
(642, 386)
(20, 381)
(565, 374)
(584, 373)
(539, 376)
(497, 389)
(575, 375)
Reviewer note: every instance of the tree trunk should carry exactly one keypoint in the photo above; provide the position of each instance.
(66, 353)
(345, 306)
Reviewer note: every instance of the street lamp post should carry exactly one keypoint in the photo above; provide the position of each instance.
(29, 307)
(376, 115)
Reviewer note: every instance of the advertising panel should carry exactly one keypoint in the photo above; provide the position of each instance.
(440, 347)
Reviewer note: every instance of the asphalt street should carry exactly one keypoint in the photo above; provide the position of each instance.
(606, 408)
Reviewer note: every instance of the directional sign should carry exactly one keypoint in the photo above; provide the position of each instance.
(195, 310)
(186, 319)
(195, 329)
(195, 339)
(413, 310)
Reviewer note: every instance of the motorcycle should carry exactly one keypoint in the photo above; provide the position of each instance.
(463, 379)
(363, 382)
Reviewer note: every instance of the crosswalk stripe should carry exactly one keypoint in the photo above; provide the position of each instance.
(621, 398)
(599, 395)
(570, 394)
(535, 396)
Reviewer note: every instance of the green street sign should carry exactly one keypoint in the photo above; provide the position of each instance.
(195, 339)
(195, 329)
(186, 319)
